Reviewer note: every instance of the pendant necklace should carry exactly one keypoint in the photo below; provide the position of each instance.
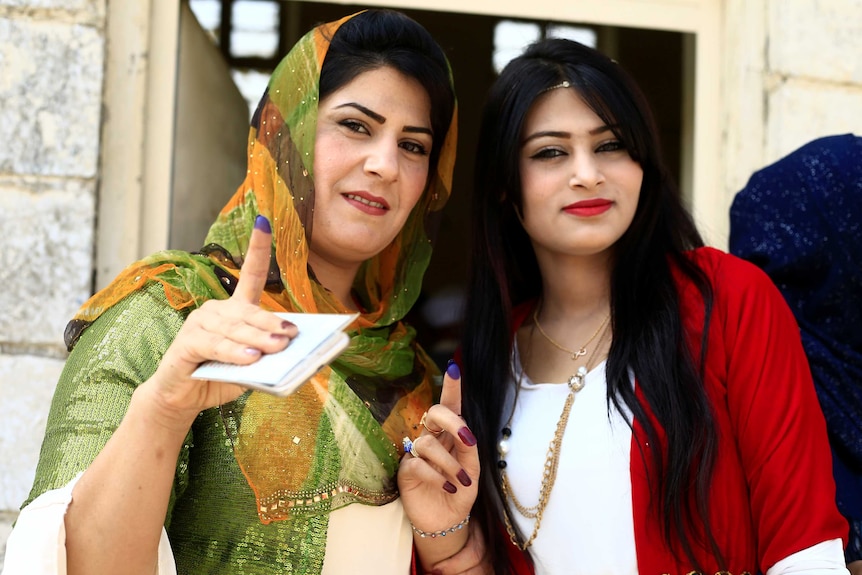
(577, 378)
(549, 474)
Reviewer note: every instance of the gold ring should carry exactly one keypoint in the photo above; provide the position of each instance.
(434, 432)
(413, 451)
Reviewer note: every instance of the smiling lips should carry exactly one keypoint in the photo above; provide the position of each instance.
(587, 208)
(367, 203)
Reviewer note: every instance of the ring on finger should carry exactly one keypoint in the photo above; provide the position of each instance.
(434, 432)
(410, 446)
(413, 450)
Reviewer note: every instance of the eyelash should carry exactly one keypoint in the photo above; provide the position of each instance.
(550, 153)
(360, 128)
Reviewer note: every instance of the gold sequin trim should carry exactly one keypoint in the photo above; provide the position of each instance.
(281, 503)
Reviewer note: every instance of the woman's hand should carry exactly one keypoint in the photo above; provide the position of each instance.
(438, 480)
(235, 330)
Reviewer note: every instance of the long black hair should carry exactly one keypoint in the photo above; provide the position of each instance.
(649, 337)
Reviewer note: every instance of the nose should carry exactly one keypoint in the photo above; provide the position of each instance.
(382, 160)
(586, 171)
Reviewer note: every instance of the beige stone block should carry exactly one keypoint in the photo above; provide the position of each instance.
(80, 9)
(50, 97)
(800, 111)
(816, 39)
(26, 388)
(46, 247)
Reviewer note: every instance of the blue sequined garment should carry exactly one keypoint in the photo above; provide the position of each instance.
(800, 220)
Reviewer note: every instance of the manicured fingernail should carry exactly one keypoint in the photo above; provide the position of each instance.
(449, 487)
(286, 324)
(464, 478)
(252, 351)
(453, 370)
(278, 335)
(467, 436)
(262, 224)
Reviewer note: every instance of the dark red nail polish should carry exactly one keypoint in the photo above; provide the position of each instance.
(464, 478)
(467, 436)
(286, 324)
(449, 487)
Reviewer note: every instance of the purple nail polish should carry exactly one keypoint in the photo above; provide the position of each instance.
(286, 324)
(454, 371)
(449, 487)
(262, 224)
(467, 436)
(464, 478)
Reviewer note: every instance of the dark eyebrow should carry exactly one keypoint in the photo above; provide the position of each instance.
(381, 120)
(553, 134)
(370, 113)
(418, 130)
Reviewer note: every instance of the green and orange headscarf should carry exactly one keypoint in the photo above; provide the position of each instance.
(336, 441)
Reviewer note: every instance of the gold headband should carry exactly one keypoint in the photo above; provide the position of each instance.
(563, 84)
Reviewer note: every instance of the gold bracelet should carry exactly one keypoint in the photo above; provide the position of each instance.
(444, 533)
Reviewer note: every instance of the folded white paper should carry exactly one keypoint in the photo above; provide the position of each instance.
(320, 340)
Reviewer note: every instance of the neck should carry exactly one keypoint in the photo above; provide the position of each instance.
(575, 288)
(335, 277)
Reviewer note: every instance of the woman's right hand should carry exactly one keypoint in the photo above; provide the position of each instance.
(235, 330)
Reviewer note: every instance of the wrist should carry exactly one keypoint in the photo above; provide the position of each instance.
(442, 532)
(159, 413)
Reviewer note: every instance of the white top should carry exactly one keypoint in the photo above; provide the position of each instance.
(587, 527)
(354, 541)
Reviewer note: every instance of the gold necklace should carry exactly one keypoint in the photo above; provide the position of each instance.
(552, 459)
(578, 377)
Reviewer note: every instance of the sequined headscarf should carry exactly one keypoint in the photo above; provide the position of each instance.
(800, 220)
(336, 441)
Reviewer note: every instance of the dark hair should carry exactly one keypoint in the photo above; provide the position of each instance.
(648, 331)
(377, 38)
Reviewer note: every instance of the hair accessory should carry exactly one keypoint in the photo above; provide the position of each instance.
(563, 84)
(434, 432)
(445, 532)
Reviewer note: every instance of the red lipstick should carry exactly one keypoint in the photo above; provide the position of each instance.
(588, 208)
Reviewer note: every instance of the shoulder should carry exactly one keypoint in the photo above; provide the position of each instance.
(139, 327)
(731, 278)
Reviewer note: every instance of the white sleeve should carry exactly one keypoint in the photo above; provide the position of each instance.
(37, 544)
(825, 558)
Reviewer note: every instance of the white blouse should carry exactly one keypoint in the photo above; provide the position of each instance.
(587, 527)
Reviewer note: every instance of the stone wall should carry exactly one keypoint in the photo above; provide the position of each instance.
(52, 55)
(792, 73)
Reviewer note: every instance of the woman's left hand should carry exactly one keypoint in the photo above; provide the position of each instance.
(438, 480)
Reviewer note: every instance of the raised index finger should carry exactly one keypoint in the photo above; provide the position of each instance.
(450, 396)
(255, 268)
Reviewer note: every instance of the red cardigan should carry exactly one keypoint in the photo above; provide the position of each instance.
(772, 490)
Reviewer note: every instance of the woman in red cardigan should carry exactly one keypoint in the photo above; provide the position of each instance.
(642, 403)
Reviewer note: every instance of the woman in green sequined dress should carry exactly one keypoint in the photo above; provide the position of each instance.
(145, 470)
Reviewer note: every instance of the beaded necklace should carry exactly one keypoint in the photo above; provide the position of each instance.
(552, 459)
